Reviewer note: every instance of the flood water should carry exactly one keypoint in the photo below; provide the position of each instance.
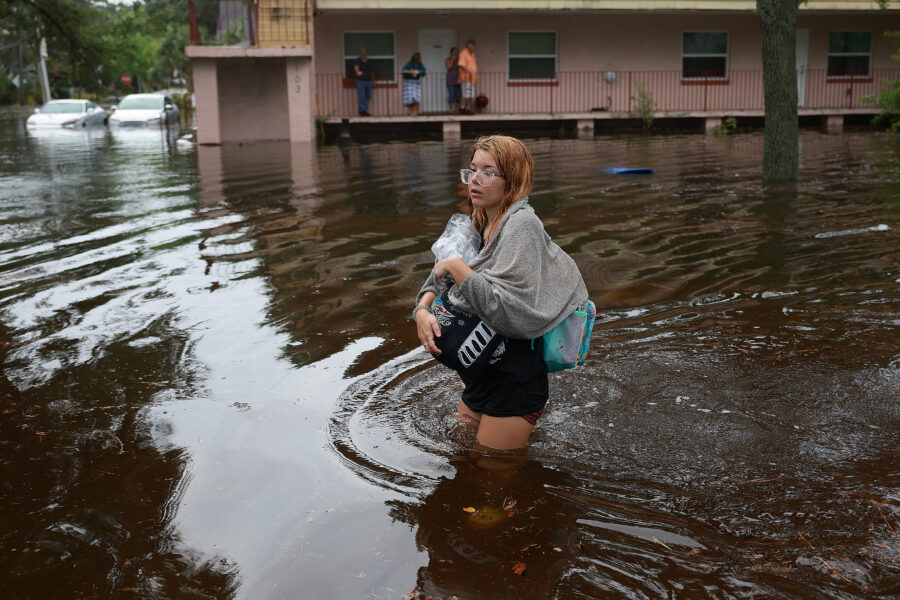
(210, 387)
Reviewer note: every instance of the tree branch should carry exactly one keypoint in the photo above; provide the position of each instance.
(73, 42)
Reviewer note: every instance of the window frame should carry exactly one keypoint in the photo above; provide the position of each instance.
(510, 81)
(392, 82)
(703, 79)
(846, 76)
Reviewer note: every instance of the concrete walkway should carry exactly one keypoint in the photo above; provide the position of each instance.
(451, 125)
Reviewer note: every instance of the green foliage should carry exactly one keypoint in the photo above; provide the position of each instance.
(727, 126)
(888, 102)
(6, 85)
(320, 126)
(888, 99)
(170, 56)
(130, 43)
(71, 29)
(92, 43)
(646, 106)
(234, 34)
(183, 102)
(9, 67)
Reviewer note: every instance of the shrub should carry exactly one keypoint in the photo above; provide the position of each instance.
(728, 123)
(645, 106)
(888, 99)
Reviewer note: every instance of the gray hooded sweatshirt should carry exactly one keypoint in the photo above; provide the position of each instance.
(523, 284)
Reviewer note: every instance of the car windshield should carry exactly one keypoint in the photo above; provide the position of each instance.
(141, 103)
(63, 107)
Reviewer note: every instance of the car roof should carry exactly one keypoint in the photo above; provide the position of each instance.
(141, 95)
(65, 101)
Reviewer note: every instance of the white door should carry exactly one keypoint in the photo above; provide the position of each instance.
(435, 44)
(802, 59)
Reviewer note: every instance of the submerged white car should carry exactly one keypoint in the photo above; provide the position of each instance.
(142, 110)
(67, 113)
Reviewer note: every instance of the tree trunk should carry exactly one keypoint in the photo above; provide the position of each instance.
(781, 145)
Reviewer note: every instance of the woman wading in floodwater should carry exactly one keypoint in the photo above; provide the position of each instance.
(520, 285)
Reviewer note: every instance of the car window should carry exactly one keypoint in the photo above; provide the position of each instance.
(90, 105)
(141, 102)
(62, 107)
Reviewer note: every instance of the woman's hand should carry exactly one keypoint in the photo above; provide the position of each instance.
(453, 266)
(442, 267)
(428, 329)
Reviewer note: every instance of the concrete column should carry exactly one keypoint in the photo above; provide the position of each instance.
(712, 123)
(452, 130)
(304, 173)
(212, 174)
(834, 123)
(206, 90)
(585, 127)
(301, 109)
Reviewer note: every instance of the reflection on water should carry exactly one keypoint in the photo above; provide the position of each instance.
(210, 388)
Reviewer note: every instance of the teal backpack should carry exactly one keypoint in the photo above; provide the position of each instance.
(566, 345)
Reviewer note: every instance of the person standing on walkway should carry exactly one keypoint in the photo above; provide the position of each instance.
(413, 72)
(363, 74)
(468, 77)
(453, 92)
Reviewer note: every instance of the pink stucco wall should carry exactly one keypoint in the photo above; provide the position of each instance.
(250, 94)
(602, 41)
(255, 91)
(878, 23)
(274, 93)
(642, 48)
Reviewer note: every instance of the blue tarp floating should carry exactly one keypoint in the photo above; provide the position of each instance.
(628, 170)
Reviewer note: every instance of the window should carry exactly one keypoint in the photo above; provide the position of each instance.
(849, 53)
(704, 55)
(61, 107)
(532, 55)
(380, 46)
(141, 102)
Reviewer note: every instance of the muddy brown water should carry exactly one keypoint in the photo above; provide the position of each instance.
(210, 388)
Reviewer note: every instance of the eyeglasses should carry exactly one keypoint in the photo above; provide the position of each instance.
(468, 176)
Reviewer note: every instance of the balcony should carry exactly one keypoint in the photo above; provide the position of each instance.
(250, 23)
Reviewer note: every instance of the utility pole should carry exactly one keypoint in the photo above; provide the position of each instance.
(42, 71)
(21, 74)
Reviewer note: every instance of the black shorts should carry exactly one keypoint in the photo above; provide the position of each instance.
(513, 387)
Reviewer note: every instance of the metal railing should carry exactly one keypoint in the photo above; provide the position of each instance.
(621, 92)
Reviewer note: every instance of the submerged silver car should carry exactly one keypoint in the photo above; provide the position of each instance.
(67, 113)
(144, 110)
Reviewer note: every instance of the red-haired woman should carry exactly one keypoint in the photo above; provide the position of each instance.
(520, 286)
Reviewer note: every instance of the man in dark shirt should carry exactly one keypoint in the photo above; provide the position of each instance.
(363, 74)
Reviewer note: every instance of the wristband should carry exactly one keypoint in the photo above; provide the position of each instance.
(417, 309)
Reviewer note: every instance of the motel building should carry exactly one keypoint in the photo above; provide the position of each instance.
(285, 65)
